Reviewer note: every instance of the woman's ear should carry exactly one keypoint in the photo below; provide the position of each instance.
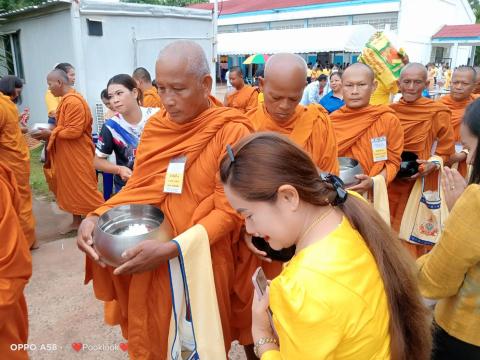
(287, 197)
(135, 93)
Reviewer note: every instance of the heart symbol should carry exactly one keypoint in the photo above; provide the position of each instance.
(77, 346)
(124, 346)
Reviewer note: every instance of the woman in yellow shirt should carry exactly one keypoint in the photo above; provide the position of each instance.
(349, 292)
(451, 271)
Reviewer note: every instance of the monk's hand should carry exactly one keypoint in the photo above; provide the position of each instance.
(262, 255)
(124, 172)
(425, 168)
(453, 185)
(147, 255)
(41, 134)
(85, 239)
(365, 184)
(456, 158)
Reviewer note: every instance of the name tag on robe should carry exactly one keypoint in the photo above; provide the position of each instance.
(379, 148)
(175, 174)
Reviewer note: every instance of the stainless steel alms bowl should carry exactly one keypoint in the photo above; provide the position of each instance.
(348, 169)
(109, 240)
(38, 126)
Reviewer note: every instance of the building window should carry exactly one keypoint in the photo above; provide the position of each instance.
(328, 21)
(253, 27)
(227, 29)
(289, 24)
(11, 55)
(378, 21)
(95, 28)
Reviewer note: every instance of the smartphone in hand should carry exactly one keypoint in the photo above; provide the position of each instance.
(260, 284)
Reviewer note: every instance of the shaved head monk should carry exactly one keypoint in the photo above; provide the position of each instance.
(69, 167)
(461, 95)
(285, 77)
(244, 97)
(15, 154)
(193, 126)
(149, 92)
(424, 122)
(370, 134)
(15, 270)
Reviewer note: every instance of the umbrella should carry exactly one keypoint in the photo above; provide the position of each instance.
(256, 59)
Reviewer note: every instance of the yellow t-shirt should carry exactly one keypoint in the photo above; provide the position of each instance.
(52, 102)
(309, 72)
(382, 94)
(329, 302)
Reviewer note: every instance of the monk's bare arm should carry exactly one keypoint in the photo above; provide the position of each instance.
(443, 129)
(74, 123)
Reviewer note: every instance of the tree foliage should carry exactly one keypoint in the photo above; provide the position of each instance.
(8, 5)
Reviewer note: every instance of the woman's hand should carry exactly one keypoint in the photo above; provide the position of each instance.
(453, 185)
(124, 172)
(260, 322)
(365, 184)
(262, 255)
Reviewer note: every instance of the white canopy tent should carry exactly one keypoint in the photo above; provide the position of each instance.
(351, 38)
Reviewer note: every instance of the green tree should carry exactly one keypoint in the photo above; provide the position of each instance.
(166, 2)
(475, 4)
(8, 5)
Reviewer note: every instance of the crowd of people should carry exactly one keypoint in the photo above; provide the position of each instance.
(265, 165)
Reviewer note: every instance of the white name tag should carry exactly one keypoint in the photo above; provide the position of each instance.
(379, 149)
(175, 174)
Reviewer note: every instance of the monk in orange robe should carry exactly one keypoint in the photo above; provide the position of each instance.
(69, 167)
(149, 92)
(190, 125)
(15, 155)
(244, 97)
(15, 269)
(310, 127)
(424, 122)
(476, 90)
(359, 127)
(463, 84)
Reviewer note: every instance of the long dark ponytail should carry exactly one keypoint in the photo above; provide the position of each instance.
(264, 161)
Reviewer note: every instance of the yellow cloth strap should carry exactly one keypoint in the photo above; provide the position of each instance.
(380, 198)
(191, 276)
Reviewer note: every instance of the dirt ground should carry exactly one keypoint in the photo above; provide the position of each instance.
(66, 321)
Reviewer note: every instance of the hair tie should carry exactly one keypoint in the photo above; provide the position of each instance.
(230, 153)
(338, 185)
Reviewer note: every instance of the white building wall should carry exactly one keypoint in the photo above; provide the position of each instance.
(44, 42)
(114, 52)
(419, 20)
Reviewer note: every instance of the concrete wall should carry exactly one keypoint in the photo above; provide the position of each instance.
(419, 20)
(115, 51)
(44, 41)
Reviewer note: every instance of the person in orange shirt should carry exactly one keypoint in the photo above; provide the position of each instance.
(149, 92)
(15, 269)
(194, 125)
(424, 123)
(244, 97)
(371, 134)
(463, 84)
(14, 153)
(69, 166)
(310, 128)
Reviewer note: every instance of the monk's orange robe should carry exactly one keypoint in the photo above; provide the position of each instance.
(355, 129)
(144, 298)
(424, 123)
(151, 98)
(69, 167)
(244, 99)
(311, 129)
(458, 109)
(15, 155)
(15, 269)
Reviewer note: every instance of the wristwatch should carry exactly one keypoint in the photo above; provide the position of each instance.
(261, 342)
